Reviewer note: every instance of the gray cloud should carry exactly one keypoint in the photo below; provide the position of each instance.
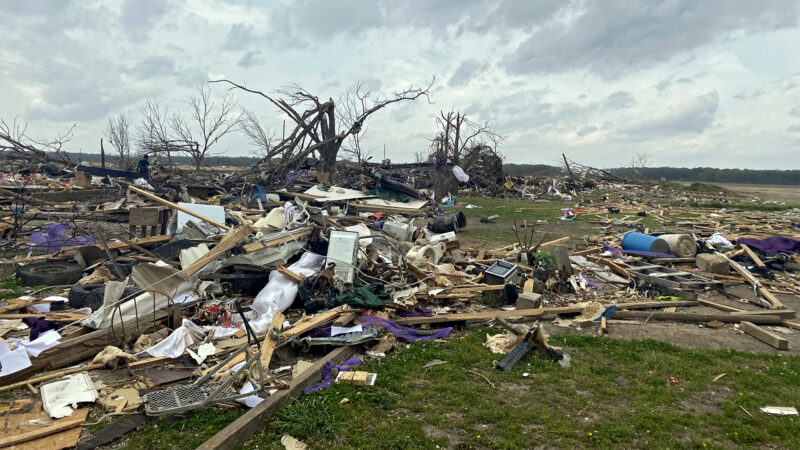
(250, 59)
(619, 100)
(794, 129)
(240, 37)
(795, 111)
(139, 17)
(692, 117)
(586, 130)
(614, 37)
(465, 72)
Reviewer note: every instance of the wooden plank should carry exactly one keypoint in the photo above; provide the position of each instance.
(764, 336)
(697, 317)
(251, 421)
(296, 277)
(762, 291)
(77, 419)
(346, 318)
(753, 256)
(224, 245)
(259, 245)
(718, 306)
(309, 323)
(271, 340)
(50, 376)
(158, 199)
(493, 314)
(785, 313)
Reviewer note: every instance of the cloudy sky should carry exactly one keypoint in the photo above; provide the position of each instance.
(693, 83)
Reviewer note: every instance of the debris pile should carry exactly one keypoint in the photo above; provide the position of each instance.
(163, 295)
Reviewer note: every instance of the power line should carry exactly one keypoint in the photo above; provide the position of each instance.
(90, 81)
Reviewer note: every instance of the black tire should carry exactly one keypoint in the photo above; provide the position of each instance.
(50, 273)
(171, 251)
(91, 295)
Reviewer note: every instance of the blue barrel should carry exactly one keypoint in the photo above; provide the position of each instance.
(644, 243)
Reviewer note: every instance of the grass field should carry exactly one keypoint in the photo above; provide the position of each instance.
(616, 393)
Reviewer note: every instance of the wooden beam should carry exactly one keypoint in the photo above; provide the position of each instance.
(753, 256)
(250, 422)
(764, 336)
(697, 317)
(224, 245)
(271, 340)
(296, 277)
(494, 314)
(762, 291)
(258, 245)
(54, 427)
(158, 199)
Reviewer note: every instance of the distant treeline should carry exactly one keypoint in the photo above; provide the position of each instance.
(712, 175)
(236, 161)
(702, 174)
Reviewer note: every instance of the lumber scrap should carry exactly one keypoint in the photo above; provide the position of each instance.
(77, 418)
(290, 236)
(226, 244)
(762, 291)
(289, 274)
(271, 339)
(764, 336)
(251, 421)
(698, 317)
(752, 255)
(494, 314)
(168, 203)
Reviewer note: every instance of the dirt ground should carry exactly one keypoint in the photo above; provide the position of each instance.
(788, 194)
(693, 335)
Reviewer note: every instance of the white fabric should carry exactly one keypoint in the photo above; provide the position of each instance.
(719, 240)
(45, 340)
(280, 292)
(176, 343)
(460, 174)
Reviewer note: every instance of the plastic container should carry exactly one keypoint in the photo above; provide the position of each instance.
(644, 243)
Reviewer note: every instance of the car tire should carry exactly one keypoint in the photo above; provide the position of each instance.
(50, 273)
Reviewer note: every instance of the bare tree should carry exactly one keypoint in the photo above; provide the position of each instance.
(316, 124)
(207, 125)
(458, 139)
(354, 100)
(14, 137)
(118, 135)
(420, 156)
(259, 136)
(639, 162)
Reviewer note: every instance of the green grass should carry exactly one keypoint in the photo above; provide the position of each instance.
(615, 395)
(508, 209)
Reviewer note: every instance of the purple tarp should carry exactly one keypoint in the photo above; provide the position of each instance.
(54, 236)
(772, 245)
(404, 333)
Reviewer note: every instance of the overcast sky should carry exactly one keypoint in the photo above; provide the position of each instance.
(693, 83)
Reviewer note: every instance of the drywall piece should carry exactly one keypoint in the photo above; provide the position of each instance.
(60, 397)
